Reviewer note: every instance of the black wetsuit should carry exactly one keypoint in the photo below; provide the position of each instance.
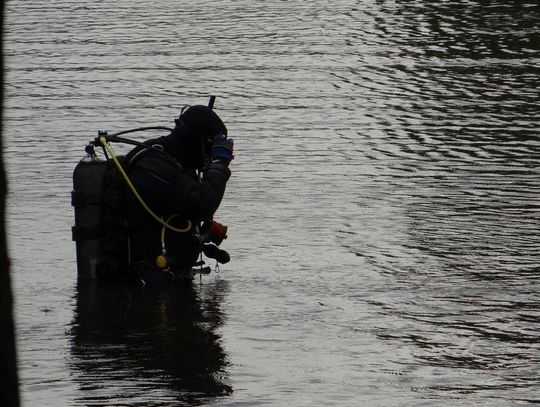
(168, 183)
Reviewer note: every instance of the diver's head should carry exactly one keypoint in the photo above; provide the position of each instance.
(195, 131)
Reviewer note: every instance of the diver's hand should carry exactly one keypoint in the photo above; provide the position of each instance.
(222, 149)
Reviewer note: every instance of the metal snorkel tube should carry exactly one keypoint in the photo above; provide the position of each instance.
(90, 148)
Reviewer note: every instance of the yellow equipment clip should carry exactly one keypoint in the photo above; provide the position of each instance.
(161, 261)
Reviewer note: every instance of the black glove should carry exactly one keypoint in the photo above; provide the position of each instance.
(222, 149)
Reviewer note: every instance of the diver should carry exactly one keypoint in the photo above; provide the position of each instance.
(182, 176)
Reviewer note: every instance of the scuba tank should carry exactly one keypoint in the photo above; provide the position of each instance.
(100, 231)
(87, 200)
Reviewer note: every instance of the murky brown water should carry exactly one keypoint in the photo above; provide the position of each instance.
(384, 208)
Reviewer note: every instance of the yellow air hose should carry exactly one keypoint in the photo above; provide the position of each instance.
(110, 151)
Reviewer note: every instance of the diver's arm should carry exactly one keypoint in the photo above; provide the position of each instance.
(170, 189)
(200, 200)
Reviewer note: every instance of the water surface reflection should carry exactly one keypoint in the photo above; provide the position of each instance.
(384, 204)
(151, 347)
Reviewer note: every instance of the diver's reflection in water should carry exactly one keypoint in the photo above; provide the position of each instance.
(149, 346)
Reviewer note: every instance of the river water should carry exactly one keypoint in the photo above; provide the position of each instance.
(383, 212)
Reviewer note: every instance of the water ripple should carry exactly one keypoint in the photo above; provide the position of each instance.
(384, 206)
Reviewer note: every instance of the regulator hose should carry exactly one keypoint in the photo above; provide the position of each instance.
(110, 151)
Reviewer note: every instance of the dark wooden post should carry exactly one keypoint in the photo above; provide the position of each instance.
(9, 383)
